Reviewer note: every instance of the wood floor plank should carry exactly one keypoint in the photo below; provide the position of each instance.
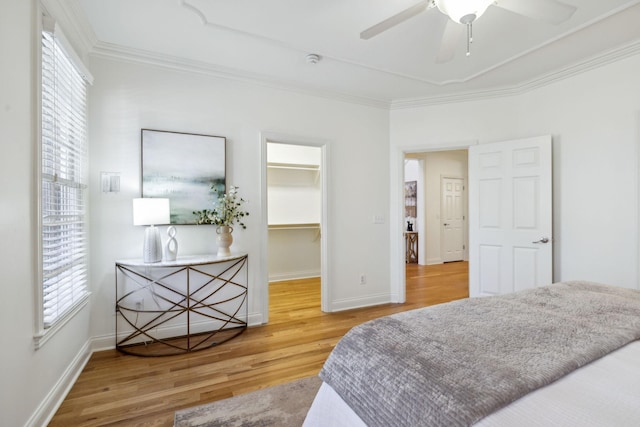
(122, 390)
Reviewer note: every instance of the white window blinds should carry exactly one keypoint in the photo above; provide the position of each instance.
(63, 185)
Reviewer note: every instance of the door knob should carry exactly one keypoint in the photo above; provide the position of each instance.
(543, 240)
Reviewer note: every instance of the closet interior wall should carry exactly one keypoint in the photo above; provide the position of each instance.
(294, 211)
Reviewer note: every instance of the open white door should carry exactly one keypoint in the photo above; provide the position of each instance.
(510, 216)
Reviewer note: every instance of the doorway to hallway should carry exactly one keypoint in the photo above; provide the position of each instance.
(439, 219)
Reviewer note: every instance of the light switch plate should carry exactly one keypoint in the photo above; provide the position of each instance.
(110, 182)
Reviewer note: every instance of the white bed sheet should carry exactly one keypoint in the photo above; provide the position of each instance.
(603, 393)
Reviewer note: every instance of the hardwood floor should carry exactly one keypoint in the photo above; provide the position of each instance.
(116, 389)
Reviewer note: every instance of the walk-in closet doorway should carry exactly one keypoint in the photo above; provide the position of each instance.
(294, 215)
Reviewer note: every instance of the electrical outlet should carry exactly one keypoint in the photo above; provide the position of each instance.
(139, 303)
(363, 279)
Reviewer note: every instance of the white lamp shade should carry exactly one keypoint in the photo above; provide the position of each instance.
(457, 9)
(151, 211)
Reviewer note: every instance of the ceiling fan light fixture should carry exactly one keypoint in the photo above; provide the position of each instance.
(463, 11)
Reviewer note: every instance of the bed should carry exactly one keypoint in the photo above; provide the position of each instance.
(565, 354)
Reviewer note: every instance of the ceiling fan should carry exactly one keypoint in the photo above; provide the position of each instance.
(463, 13)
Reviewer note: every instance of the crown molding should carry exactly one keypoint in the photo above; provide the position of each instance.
(73, 19)
(125, 54)
(204, 19)
(115, 52)
(597, 61)
(574, 31)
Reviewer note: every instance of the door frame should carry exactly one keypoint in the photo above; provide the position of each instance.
(263, 279)
(397, 267)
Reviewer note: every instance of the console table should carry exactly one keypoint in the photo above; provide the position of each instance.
(411, 247)
(192, 303)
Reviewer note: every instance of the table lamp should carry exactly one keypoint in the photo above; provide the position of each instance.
(151, 212)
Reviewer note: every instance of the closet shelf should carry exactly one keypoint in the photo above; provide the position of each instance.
(293, 166)
(294, 226)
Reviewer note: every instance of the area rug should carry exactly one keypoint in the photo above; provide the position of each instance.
(284, 405)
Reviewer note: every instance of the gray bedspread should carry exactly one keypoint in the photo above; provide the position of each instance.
(455, 363)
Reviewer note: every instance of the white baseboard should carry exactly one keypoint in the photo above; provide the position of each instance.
(103, 342)
(255, 319)
(293, 275)
(433, 261)
(359, 302)
(48, 407)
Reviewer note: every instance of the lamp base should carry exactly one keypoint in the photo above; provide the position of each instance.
(152, 247)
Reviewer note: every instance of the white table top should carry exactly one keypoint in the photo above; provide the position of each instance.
(181, 260)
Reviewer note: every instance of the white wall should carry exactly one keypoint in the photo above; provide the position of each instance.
(127, 97)
(294, 253)
(594, 119)
(294, 184)
(30, 380)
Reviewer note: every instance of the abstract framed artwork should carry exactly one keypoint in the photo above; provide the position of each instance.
(183, 167)
(410, 198)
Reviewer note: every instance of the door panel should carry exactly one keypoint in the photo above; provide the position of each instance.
(489, 202)
(525, 203)
(525, 267)
(489, 261)
(452, 216)
(510, 209)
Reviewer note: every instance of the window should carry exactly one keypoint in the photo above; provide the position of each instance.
(63, 186)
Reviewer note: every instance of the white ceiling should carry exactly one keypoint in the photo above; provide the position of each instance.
(268, 40)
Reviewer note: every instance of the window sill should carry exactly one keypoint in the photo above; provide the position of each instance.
(43, 335)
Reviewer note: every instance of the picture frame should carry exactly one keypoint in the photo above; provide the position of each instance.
(410, 199)
(183, 167)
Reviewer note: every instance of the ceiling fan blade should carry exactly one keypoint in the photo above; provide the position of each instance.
(551, 11)
(451, 36)
(394, 20)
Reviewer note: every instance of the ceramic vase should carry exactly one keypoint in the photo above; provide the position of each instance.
(224, 239)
